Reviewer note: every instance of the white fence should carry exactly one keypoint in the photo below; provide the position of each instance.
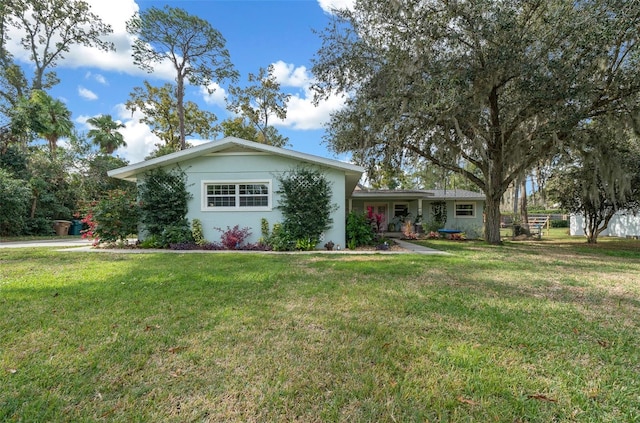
(621, 225)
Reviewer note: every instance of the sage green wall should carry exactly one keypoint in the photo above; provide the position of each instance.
(259, 167)
(474, 226)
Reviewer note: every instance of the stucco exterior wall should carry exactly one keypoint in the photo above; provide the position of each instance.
(252, 167)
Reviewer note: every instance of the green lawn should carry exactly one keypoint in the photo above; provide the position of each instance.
(525, 332)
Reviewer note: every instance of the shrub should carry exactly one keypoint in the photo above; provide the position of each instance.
(559, 223)
(176, 233)
(306, 244)
(163, 200)
(305, 202)
(14, 197)
(90, 224)
(264, 231)
(114, 217)
(38, 226)
(152, 241)
(280, 240)
(432, 226)
(233, 238)
(359, 230)
(408, 231)
(196, 231)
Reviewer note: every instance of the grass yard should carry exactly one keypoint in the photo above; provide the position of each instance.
(525, 332)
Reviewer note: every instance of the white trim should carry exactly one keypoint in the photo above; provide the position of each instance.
(464, 203)
(132, 171)
(237, 153)
(237, 208)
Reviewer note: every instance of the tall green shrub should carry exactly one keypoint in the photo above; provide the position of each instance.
(163, 200)
(14, 203)
(115, 216)
(305, 201)
(359, 230)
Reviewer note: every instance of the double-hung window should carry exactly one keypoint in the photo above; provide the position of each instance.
(465, 210)
(245, 195)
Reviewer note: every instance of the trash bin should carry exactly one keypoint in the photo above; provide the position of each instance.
(75, 228)
(61, 227)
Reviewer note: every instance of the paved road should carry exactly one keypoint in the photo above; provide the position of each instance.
(64, 242)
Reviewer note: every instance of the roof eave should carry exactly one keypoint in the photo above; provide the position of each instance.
(129, 172)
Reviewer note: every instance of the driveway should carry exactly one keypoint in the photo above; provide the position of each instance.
(63, 242)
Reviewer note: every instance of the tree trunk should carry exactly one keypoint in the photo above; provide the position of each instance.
(34, 204)
(180, 101)
(524, 214)
(591, 229)
(492, 220)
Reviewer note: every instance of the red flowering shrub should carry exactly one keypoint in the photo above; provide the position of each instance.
(233, 238)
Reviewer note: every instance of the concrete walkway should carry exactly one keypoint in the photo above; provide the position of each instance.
(83, 245)
(418, 249)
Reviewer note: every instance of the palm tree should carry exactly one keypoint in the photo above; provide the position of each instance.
(106, 135)
(50, 118)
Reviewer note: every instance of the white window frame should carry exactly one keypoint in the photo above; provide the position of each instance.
(464, 216)
(237, 182)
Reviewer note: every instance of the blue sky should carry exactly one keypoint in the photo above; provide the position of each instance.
(258, 33)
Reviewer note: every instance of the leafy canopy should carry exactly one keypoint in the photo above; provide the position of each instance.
(600, 176)
(194, 48)
(260, 101)
(51, 28)
(159, 107)
(486, 89)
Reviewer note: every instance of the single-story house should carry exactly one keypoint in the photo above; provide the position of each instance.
(621, 225)
(464, 209)
(235, 182)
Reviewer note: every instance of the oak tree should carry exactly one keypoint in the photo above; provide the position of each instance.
(499, 85)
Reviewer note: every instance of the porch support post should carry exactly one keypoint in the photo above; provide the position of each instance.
(420, 207)
(350, 205)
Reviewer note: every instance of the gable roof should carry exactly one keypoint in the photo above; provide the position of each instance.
(233, 144)
(425, 194)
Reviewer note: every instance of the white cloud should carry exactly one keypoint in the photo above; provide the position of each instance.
(115, 13)
(330, 5)
(96, 77)
(87, 94)
(290, 76)
(138, 136)
(217, 97)
(302, 114)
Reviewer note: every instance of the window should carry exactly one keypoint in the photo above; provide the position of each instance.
(400, 210)
(465, 210)
(237, 196)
